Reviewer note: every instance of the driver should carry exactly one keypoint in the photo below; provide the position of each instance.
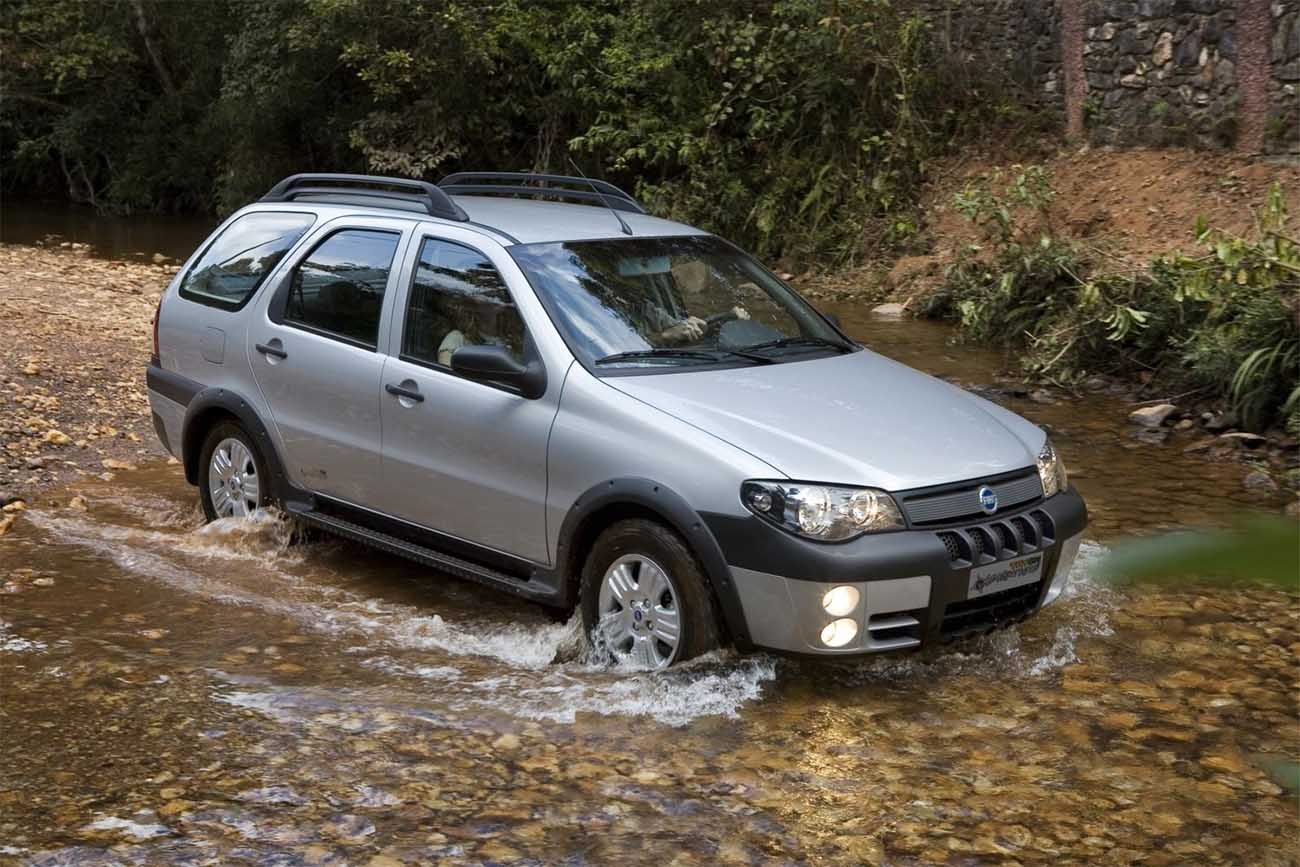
(668, 327)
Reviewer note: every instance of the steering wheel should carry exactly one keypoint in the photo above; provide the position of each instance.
(713, 324)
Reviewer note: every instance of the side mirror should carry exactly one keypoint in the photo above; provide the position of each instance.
(495, 365)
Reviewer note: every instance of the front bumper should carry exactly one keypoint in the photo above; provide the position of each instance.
(915, 585)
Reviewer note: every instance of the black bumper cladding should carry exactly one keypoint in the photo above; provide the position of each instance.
(1003, 547)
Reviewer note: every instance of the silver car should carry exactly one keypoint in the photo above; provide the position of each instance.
(527, 381)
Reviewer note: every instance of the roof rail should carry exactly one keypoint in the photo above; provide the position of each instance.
(385, 191)
(539, 186)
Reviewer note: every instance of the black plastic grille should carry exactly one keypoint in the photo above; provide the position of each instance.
(1028, 532)
(957, 549)
(986, 613)
(998, 540)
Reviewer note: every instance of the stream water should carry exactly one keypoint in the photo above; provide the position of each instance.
(174, 693)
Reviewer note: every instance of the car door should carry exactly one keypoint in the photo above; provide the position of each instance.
(315, 353)
(464, 458)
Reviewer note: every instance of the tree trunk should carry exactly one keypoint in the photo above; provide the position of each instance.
(145, 28)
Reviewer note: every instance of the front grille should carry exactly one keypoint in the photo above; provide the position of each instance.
(998, 540)
(961, 502)
(986, 613)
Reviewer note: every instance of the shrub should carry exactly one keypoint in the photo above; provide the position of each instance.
(1223, 321)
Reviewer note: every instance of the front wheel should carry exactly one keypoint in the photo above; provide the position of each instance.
(233, 475)
(645, 600)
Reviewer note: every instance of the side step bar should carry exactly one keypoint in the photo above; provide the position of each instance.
(539, 591)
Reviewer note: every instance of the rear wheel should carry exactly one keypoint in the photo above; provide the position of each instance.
(645, 600)
(232, 482)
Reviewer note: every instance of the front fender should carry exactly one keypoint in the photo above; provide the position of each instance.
(659, 499)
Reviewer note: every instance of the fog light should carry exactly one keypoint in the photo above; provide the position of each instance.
(840, 601)
(839, 632)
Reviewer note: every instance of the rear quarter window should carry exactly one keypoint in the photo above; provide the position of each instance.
(238, 260)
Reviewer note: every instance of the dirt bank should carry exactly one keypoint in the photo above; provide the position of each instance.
(75, 337)
(1133, 204)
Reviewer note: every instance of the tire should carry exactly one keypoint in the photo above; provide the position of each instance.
(221, 498)
(629, 610)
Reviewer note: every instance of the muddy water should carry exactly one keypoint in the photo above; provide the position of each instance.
(172, 693)
(109, 237)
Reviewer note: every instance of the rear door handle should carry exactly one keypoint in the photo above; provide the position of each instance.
(408, 393)
(274, 351)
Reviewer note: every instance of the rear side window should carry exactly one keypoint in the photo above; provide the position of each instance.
(338, 289)
(236, 263)
(458, 299)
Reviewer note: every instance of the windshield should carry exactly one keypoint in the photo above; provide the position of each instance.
(676, 301)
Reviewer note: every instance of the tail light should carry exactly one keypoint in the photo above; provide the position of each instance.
(156, 311)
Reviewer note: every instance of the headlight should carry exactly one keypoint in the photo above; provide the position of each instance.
(1051, 469)
(823, 512)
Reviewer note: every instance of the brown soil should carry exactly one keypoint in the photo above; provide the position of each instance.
(75, 337)
(1136, 204)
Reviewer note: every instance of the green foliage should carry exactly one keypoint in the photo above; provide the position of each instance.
(1222, 321)
(791, 125)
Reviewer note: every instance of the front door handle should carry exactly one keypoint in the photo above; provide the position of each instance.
(272, 349)
(408, 393)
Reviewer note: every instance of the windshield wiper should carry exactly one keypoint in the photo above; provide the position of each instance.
(813, 342)
(659, 352)
(689, 354)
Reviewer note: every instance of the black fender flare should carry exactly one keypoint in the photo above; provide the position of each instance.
(223, 401)
(672, 508)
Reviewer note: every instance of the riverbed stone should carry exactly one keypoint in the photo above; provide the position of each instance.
(1244, 439)
(1259, 482)
(892, 310)
(1152, 416)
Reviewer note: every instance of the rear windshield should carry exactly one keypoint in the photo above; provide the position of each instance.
(239, 259)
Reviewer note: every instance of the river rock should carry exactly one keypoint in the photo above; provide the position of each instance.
(893, 310)
(1260, 482)
(1151, 435)
(1185, 425)
(1152, 416)
(1217, 421)
(1243, 439)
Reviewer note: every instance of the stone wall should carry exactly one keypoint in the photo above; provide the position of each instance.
(1018, 41)
(1153, 72)
(1283, 133)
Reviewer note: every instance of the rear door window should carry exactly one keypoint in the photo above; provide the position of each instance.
(235, 264)
(338, 289)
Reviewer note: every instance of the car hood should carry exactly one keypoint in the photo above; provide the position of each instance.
(858, 419)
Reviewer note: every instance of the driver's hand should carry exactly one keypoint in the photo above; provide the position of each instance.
(740, 312)
(689, 329)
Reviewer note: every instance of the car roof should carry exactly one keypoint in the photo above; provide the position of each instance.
(510, 220)
(532, 221)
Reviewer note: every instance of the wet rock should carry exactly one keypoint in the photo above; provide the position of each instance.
(7, 497)
(349, 828)
(1152, 416)
(1201, 446)
(1096, 383)
(57, 438)
(1042, 395)
(1243, 439)
(1218, 421)
(14, 507)
(506, 742)
(78, 503)
(1151, 436)
(1260, 482)
(282, 795)
(1184, 425)
(893, 310)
